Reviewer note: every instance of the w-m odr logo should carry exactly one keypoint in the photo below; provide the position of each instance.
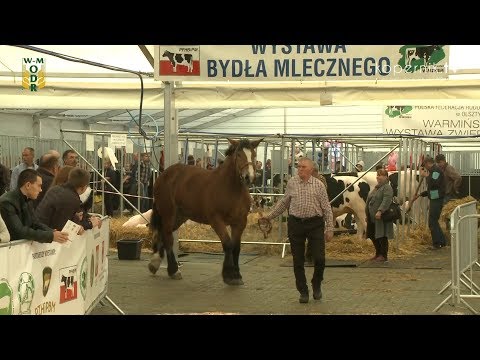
(421, 58)
(33, 73)
(398, 111)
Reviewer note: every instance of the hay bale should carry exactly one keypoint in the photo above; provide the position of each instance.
(342, 247)
(451, 205)
(117, 232)
(447, 210)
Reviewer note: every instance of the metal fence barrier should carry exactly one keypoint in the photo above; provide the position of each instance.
(464, 256)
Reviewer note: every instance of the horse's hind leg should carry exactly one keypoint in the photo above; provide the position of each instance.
(237, 231)
(157, 241)
(172, 267)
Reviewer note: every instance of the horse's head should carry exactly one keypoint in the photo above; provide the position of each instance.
(243, 154)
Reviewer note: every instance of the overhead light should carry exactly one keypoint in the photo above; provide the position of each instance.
(70, 116)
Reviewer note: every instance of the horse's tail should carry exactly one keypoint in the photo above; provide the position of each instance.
(156, 219)
(157, 243)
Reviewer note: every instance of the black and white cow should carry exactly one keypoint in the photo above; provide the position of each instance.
(409, 183)
(352, 201)
(68, 283)
(396, 177)
(179, 59)
(345, 222)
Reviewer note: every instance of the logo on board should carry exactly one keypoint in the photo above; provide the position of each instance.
(33, 73)
(68, 284)
(47, 277)
(422, 58)
(26, 290)
(183, 60)
(399, 111)
(83, 278)
(6, 298)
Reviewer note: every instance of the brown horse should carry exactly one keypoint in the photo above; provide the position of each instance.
(217, 197)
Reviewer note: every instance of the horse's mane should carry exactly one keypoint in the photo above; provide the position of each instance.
(244, 143)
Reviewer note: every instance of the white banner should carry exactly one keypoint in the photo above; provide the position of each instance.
(299, 62)
(432, 120)
(37, 279)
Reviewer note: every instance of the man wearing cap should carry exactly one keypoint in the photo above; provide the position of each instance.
(453, 180)
(435, 192)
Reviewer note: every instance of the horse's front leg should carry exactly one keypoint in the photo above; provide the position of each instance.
(227, 244)
(237, 231)
(158, 252)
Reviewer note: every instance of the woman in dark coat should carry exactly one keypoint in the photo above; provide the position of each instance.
(378, 201)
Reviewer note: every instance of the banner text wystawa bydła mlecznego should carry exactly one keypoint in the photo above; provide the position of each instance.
(300, 62)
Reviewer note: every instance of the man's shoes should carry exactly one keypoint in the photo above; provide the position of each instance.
(436, 247)
(380, 258)
(317, 294)
(303, 298)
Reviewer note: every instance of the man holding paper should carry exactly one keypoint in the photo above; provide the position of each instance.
(62, 202)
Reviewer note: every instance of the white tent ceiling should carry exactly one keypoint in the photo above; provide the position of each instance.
(97, 95)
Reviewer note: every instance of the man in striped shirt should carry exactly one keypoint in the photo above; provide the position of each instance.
(309, 216)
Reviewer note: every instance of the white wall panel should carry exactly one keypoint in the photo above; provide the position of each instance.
(308, 121)
(16, 125)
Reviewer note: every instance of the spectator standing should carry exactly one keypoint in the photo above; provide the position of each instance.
(70, 158)
(48, 169)
(360, 165)
(453, 180)
(4, 179)
(435, 192)
(28, 155)
(378, 201)
(108, 195)
(145, 175)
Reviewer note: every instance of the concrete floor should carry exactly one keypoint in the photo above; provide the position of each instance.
(404, 287)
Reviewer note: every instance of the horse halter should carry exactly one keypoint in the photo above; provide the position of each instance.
(243, 167)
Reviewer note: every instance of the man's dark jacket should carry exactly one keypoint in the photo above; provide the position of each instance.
(47, 180)
(17, 212)
(58, 206)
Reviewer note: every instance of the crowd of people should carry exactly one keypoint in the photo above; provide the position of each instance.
(39, 198)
